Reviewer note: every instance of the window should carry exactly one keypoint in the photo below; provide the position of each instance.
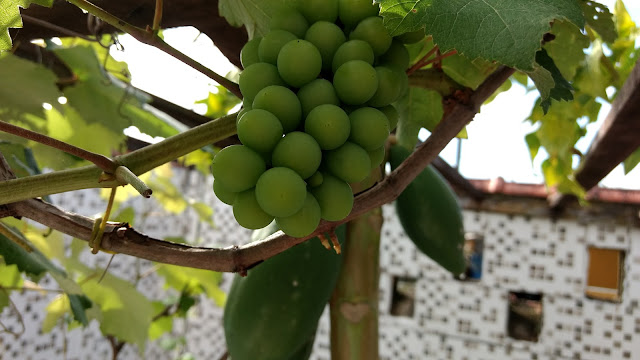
(524, 321)
(604, 274)
(403, 296)
(473, 249)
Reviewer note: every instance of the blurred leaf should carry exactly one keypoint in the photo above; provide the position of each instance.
(22, 77)
(632, 161)
(126, 215)
(199, 159)
(466, 72)
(599, 18)
(194, 281)
(56, 309)
(533, 143)
(504, 87)
(162, 325)
(567, 49)
(185, 303)
(219, 103)
(549, 81)
(592, 78)
(9, 277)
(20, 159)
(165, 192)
(204, 211)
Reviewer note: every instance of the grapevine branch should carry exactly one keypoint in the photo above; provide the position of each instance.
(150, 37)
(121, 238)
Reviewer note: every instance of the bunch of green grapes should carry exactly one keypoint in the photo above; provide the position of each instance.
(317, 111)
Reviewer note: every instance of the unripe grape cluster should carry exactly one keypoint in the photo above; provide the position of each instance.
(317, 89)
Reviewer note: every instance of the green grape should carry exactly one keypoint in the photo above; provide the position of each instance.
(237, 167)
(396, 57)
(369, 128)
(411, 37)
(334, 197)
(271, 45)
(389, 87)
(281, 102)
(315, 179)
(255, 78)
(249, 52)
(392, 115)
(376, 156)
(329, 125)
(259, 130)
(319, 10)
(223, 194)
(247, 211)
(280, 192)
(298, 151)
(352, 12)
(355, 82)
(352, 50)
(372, 31)
(304, 222)
(315, 93)
(404, 83)
(290, 20)
(299, 62)
(327, 37)
(349, 162)
(240, 113)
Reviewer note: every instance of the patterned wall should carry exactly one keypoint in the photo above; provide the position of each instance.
(452, 319)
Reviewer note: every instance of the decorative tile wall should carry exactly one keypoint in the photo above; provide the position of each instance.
(452, 319)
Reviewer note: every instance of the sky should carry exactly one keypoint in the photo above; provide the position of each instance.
(495, 146)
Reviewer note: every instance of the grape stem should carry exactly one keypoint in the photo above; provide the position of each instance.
(121, 238)
(426, 61)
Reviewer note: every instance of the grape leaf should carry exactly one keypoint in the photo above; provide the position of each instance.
(417, 109)
(466, 72)
(194, 281)
(401, 16)
(9, 277)
(100, 98)
(631, 162)
(21, 77)
(508, 32)
(600, 19)
(567, 48)
(162, 325)
(560, 90)
(219, 103)
(255, 15)
(36, 264)
(10, 18)
(533, 143)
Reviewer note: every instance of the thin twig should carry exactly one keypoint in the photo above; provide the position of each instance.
(157, 16)
(150, 38)
(54, 27)
(100, 161)
(124, 175)
(440, 57)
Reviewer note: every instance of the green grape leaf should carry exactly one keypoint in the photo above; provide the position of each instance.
(161, 325)
(466, 72)
(194, 281)
(100, 98)
(219, 103)
(21, 77)
(600, 19)
(253, 14)
(126, 313)
(533, 143)
(508, 32)
(567, 48)
(10, 18)
(9, 277)
(126, 215)
(20, 159)
(631, 161)
(36, 263)
(56, 309)
(561, 89)
(592, 78)
(204, 211)
(401, 16)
